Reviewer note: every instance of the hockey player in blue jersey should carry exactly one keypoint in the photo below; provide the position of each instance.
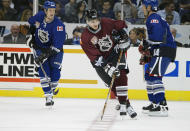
(47, 39)
(160, 50)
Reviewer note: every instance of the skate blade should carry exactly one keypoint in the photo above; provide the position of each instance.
(122, 117)
(49, 107)
(56, 91)
(145, 111)
(158, 114)
(134, 118)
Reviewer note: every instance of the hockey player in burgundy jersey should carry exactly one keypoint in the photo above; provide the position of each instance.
(102, 41)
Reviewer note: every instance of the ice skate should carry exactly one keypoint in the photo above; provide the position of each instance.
(131, 111)
(49, 100)
(158, 111)
(117, 107)
(146, 109)
(123, 111)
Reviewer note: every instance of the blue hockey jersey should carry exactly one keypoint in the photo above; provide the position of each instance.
(48, 34)
(159, 31)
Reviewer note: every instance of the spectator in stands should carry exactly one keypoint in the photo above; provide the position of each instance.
(174, 32)
(30, 4)
(98, 4)
(77, 32)
(70, 11)
(20, 5)
(26, 14)
(9, 14)
(133, 38)
(163, 3)
(15, 37)
(185, 11)
(140, 14)
(81, 7)
(64, 2)
(118, 15)
(59, 10)
(106, 10)
(169, 18)
(170, 9)
(129, 9)
(1, 16)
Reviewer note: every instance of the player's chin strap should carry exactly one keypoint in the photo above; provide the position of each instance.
(111, 85)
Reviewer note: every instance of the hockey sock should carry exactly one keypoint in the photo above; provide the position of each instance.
(150, 92)
(45, 85)
(158, 91)
(122, 93)
(53, 84)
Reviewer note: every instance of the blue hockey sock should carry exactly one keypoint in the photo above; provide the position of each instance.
(45, 85)
(158, 91)
(159, 94)
(150, 91)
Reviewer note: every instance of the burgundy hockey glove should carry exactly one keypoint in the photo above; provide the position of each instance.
(144, 59)
(144, 51)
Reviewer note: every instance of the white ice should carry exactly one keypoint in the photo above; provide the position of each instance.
(30, 114)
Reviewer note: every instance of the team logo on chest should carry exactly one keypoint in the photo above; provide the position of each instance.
(43, 36)
(105, 43)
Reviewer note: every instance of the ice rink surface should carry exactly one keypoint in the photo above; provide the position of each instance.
(30, 114)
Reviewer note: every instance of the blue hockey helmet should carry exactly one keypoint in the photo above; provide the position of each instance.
(49, 4)
(152, 3)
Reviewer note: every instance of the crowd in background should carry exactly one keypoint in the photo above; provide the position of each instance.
(176, 12)
(72, 11)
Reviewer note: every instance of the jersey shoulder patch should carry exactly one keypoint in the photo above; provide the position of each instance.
(154, 21)
(59, 28)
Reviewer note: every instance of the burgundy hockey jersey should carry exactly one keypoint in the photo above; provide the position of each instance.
(100, 43)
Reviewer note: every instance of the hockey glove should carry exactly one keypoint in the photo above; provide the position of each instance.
(41, 59)
(144, 51)
(144, 59)
(122, 45)
(110, 70)
(49, 52)
(145, 45)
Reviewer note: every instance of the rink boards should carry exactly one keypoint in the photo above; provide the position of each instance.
(79, 80)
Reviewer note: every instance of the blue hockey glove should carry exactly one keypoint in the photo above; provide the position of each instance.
(41, 59)
(49, 52)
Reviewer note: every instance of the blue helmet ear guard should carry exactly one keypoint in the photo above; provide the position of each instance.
(152, 3)
(49, 4)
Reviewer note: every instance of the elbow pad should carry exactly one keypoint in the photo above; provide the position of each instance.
(99, 62)
(120, 35)
(32, 29)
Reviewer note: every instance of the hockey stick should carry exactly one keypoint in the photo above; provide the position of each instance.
(111, 85)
